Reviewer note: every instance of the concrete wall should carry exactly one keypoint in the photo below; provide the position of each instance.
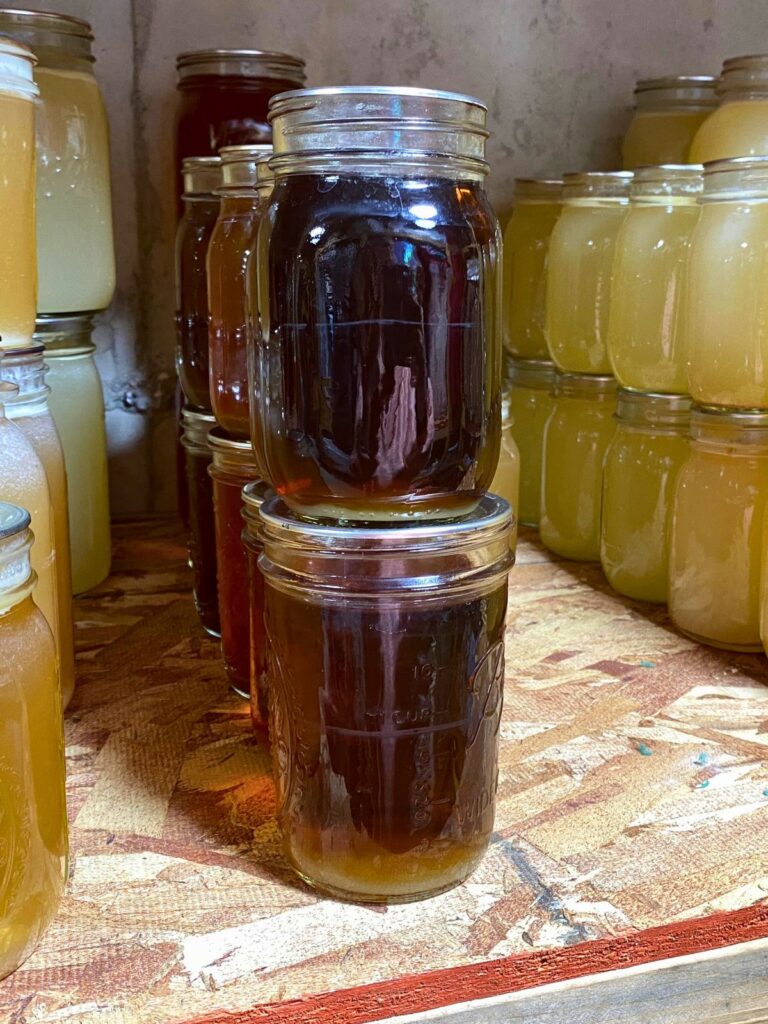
(557, 76)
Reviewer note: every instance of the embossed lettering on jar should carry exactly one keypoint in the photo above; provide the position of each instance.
(380, 350)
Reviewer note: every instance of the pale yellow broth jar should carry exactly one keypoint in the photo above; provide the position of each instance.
(725, 316)
(579, 270)
(577, 434)
(530, 402)
(739, 125)
(645, 342)
(506, 480)
(526, 246)
(668, 113)
(717, 529)
(639, 476)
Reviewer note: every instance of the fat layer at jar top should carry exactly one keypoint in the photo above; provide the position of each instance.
(668, 113)
(579, 271)
(378, 288)
(243, 201)
(576, 437)
(530, 404)
(17, 195)
(645, 337)
(717, 529)
(33, 823)
(526, 244)
(639, 476)
(725, 318)
(386, 697)
(739, 126)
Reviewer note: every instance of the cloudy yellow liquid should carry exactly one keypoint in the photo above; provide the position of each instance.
(735, 128)
(526, 245)
(17, 202)
(506, 481)
(661, 137)
(530, 409)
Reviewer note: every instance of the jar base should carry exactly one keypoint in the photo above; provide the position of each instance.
(720, 644)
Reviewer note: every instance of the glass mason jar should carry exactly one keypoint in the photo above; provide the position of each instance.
(223, 97)
(644, 328)
(378, 278)
(506, 480)
(639, 476)
(579, 270)
(253, 497)
(17, 194)
(202, 178)
(717, 529)
(526, 245)
(244, 194)
(725, 318)
(668, 113)
(202, 523)
(531, 402)
(576, 437)
(75, 246)
(232, 467)
(28, 409)
(76, 401)
(386, 674)
(33, 822)
(739, 126)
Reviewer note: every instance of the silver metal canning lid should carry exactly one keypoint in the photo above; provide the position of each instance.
(202, 175)
(16, 63)
(653, 408)
(586, 385)
(240, 165)
(241, 63)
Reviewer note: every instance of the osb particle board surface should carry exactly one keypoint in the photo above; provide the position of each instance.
(633, 798)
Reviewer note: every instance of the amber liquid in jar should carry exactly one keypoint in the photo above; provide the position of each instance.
(381, 363)
(252, 497)
(202, 525)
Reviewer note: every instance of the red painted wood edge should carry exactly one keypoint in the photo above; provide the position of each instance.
(417, 992)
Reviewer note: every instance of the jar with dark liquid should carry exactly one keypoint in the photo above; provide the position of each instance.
(246, 184)
(385, 648)
(202, 529)
(231, 468)
(379, 350)
(223, 97)
(202, 177)
(253, 497)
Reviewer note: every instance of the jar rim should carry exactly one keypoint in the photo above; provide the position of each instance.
(201, 175)
(538, 188)
(66, 24)
(292, 98)
(530, 372)
(731, 177)
(585, 383)
(653, 408)
(254, 494)
(13, 519)
(701, 413)
(270, 62)
(597, 185)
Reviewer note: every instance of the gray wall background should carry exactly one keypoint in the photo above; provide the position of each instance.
(557, 76)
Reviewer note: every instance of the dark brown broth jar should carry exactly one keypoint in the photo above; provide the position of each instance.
(253, 497)
(378, 364)
(223, 97)
(202, 531)
(385, 649)
(231, 468)
(245, 187)
(202, 177)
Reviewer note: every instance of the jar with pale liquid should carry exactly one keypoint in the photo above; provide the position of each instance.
(725, 318)
(245, 187)
(580, 268)
(33, 810)
(668, 113)
(717, 529)
(576, 437)
(75, 246)
(17, 194)
(639, 477)
(739, 126)
(506, 481)
(645, 337)
(530, 402)
(76, 401)
(28, 409)
(526, 245)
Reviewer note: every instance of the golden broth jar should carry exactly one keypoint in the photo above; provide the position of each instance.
(668, 113)
(579, 271)
(378, 295)
(33, 811)
(725, 319)
(577, 434)
(717, 529)
(530, 402)
(17, 194)
(639, 476)
(75, 247)
(526, 244)
(506, 480)
(739, 126)
(645, 341)
(386, 675)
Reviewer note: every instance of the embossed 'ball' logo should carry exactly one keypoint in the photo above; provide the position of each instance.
(486, 687)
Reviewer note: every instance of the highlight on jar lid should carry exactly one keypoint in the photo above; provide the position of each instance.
(16, 63)
(740, 177)
(202, 175)
(240, 165)
(588, 185)
(542, 190)
(677, 90)
(668, 180)
(241, 63)
(48, 29)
